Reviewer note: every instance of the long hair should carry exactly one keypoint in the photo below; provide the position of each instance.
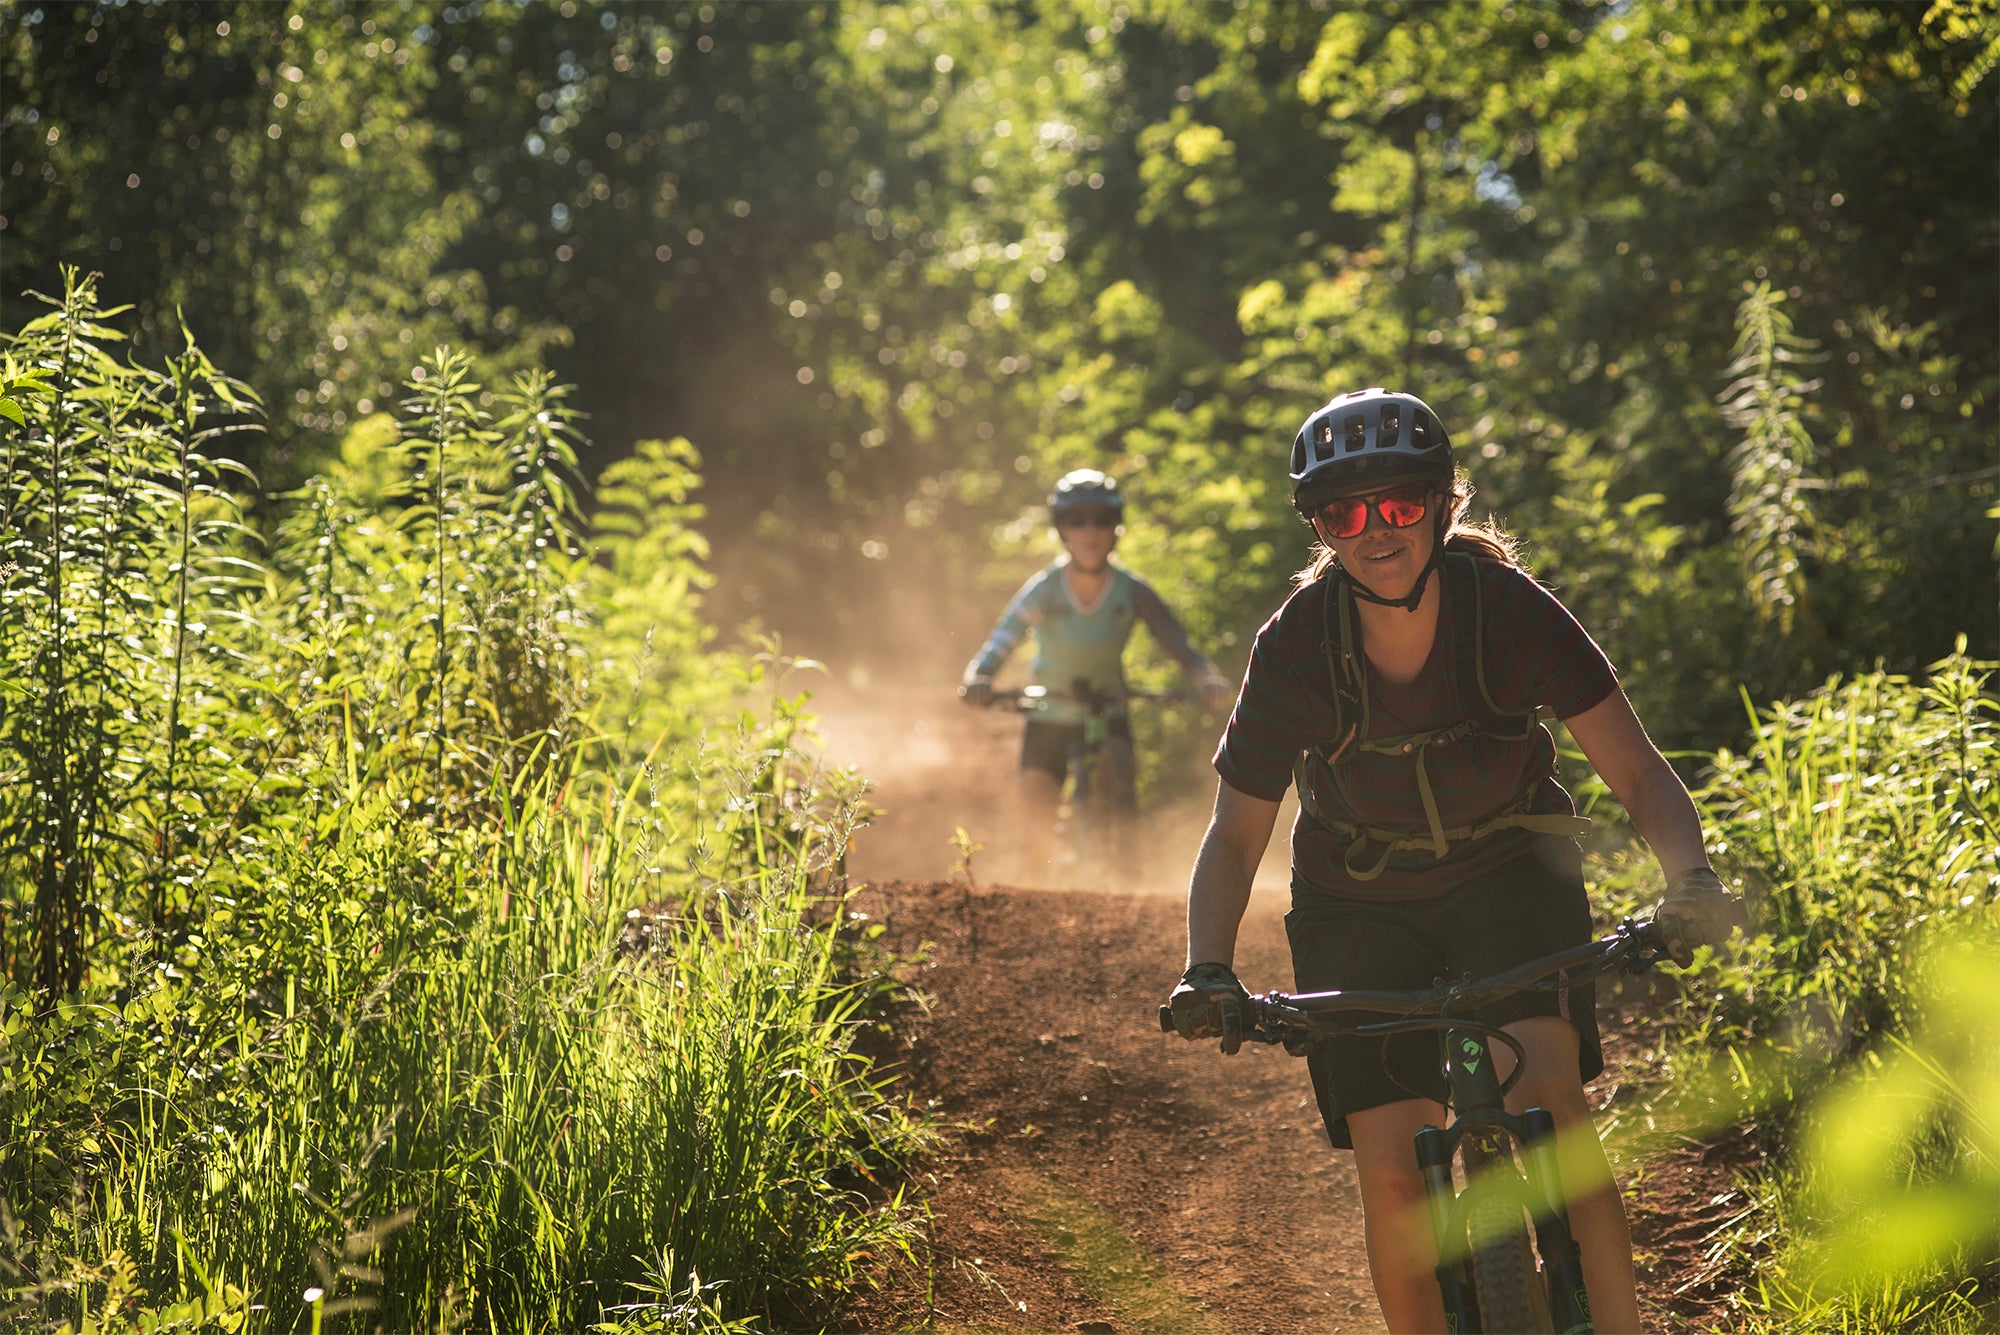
(1483, 538)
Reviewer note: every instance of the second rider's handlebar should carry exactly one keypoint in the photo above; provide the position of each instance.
(1633, 946)
(1029, 699)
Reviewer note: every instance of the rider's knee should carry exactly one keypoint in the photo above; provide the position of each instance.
(1564, 1098)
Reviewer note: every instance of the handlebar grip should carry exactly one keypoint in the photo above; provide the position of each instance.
(1650, 936)
(1166, 1019)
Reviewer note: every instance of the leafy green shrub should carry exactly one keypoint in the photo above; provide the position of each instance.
(436, 601)
(352, 1013)
(1863, 817)
(1856, 1031)
(645, 587)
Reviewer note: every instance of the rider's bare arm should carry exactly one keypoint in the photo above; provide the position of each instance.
(1219, 891)
(1639, 776)
(1167, 631)
(1019, 617)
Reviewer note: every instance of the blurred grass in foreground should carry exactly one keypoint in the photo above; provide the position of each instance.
(1896, 1214)
(1859, 1033)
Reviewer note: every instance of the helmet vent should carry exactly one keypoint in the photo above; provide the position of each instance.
(1363, 435)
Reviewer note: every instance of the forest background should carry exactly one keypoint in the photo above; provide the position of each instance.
(781, 317)
(1706, 294)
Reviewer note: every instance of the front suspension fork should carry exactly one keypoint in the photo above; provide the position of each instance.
(1454, 1275)
(1475, 1086)
(1569, 1301)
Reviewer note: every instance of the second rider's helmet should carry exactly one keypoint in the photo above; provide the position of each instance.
(1367, 437)
(1085, 489)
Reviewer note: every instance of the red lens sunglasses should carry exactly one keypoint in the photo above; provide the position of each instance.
(1398, 507)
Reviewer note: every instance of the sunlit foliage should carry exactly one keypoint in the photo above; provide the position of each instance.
(895, 266)
(351, 966)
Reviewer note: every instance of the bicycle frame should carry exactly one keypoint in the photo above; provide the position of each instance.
(1481, 1132)
(1095, 812)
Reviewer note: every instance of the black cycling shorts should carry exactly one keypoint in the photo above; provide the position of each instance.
(1528, 906)
(1046, 746)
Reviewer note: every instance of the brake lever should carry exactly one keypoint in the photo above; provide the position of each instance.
(1647, 949)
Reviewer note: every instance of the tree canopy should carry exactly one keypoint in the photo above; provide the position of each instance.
(1707, 294)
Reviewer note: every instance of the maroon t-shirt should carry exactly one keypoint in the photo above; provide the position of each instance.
(1535, 655)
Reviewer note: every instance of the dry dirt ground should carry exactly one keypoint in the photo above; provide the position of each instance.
(1098, 1176)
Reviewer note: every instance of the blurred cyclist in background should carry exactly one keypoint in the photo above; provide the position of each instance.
(1081, 609)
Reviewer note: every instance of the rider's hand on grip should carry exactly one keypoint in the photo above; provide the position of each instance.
(1697, 910)
(977, 691)
(1209, 1004)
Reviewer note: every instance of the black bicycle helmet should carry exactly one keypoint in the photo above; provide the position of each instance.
(1085, 489)
(1366, 437)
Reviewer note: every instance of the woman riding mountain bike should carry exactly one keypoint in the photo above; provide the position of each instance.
(1401, 689)
(1081, 609)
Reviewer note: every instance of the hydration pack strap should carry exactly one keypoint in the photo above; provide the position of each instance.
(1348, 676)
(1341, 642)
(1420, 744)
(1438, 840)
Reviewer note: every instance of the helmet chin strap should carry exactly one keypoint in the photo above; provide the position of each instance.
(1409, 604)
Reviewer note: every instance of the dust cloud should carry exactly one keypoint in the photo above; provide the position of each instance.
(893, 637)
(935, 766)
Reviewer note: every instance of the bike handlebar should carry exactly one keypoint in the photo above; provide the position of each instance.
(1028, 699)
(1632, 946)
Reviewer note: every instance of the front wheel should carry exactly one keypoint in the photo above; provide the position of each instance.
(1101, 811)
(1504, 1276)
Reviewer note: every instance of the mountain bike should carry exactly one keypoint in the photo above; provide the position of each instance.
(1492, 1279)
(1103, 770)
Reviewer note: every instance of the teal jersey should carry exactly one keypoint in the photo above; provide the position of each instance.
(1072, 641)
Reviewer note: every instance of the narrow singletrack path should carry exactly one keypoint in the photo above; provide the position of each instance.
(1103, 1175)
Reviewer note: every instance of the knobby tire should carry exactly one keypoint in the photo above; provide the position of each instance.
(1506, 1279)
(1504, 1276)
(1096, 822)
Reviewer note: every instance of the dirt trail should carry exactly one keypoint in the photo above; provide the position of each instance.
(1105, 1173)
(1103, 1177)
(1108, 1173)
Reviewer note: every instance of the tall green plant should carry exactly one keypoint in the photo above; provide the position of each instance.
(1861, 814)
(121, 578)
(438, 605)
(1771, 467)
(649, 642)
